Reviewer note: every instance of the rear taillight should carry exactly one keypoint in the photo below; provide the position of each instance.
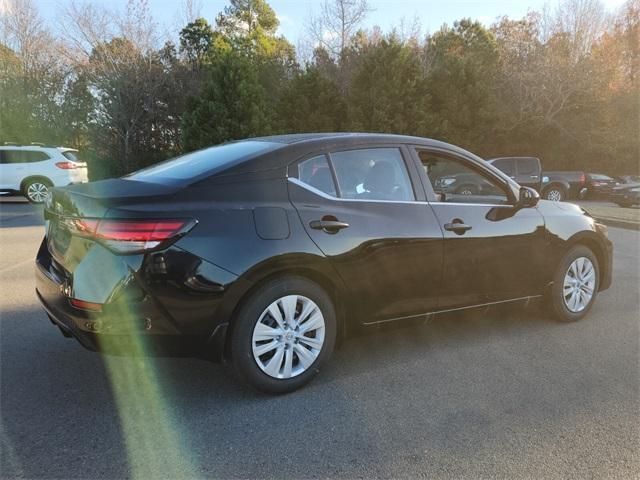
(583, 179)
(67, 165)
(131, 236)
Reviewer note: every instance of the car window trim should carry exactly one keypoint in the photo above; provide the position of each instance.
(414, 179)
(306, 186)
(472, 163)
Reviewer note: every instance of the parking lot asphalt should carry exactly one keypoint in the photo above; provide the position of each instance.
(500, 393)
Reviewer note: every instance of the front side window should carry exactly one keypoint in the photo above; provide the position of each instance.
(316, 173)
(454, 181)
(372, 174)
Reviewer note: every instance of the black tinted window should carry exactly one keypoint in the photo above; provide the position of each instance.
(316, 173)
(506, 165)
(209, 160)
(528, 166)
(23, 156)
(372, 174)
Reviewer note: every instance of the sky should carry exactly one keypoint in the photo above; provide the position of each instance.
(386, 13)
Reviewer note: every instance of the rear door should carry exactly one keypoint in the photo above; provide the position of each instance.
(13, 169)
(493, 251)
(366, 210)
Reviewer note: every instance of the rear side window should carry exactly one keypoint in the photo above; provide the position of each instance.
(372, 174)
(316, 173)
(23, 156)
(528, 166)
(200, 162)
(506, 165)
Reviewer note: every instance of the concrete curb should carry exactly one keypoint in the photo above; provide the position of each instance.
(614, 222)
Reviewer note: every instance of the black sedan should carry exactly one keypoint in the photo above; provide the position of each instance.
(599, 185)
(626, 195)
(266, 252)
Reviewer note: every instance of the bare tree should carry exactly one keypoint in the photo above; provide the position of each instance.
(336, 23)
(23, 31)
(582, 21)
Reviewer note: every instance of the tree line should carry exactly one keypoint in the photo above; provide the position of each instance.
(561, 84)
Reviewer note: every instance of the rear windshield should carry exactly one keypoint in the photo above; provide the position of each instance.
(71, 155)
(206, 161)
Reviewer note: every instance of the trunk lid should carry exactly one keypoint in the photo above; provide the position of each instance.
(88, 202)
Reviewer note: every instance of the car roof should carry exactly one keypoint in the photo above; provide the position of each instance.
(298, 145)
(37, 148)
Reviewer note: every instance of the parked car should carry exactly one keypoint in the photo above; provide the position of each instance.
(599, 185)
(627, 178)
(626, 195)
(268, 251)
(31, 170)
(556, 186)
(527, 171)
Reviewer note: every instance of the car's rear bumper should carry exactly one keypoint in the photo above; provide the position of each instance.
(136, 328)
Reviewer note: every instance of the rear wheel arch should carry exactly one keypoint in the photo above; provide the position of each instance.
(31, 178)
(26, 182)
(308, 273)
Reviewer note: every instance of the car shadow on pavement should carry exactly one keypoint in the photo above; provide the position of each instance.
(62, 402)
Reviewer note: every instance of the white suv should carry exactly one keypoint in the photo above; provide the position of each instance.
(32, 169)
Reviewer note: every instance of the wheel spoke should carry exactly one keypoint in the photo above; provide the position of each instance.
(312, 342)
(275, 313)
(289, 304)
(307, 308)
(275, 363)
(305, 357)
(288, 363)
(267, 347)
(315, 321)
(264, 332)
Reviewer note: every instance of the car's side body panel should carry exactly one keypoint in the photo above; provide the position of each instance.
(393, 261)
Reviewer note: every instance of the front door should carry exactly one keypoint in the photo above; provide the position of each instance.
(493, 251)
(365, 209)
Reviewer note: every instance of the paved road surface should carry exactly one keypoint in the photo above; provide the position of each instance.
(478, 395)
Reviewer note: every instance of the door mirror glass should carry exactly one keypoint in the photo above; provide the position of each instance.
(528, 197)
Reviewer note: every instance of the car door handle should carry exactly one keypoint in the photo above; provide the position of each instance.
(328, 226)
(457, 227)
(535, 176)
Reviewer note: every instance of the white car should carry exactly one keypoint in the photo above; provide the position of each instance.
(31, 170)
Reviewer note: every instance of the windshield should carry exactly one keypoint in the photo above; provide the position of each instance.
(209, 160)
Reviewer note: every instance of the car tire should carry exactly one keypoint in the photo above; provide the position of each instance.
(555, 194)
(577, 274)
(278, 360)
(36, 189)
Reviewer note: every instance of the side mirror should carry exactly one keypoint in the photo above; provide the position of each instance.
(528, 197)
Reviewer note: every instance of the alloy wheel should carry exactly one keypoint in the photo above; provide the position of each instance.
(554, 195)
(288, 336)
(579, 284)
(37, 192)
